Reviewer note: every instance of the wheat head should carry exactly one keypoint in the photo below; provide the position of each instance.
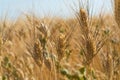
(84, 23)
(61, 46)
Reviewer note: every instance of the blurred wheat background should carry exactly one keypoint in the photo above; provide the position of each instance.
(81, 47)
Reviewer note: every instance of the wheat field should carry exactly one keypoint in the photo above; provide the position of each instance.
(54, 48)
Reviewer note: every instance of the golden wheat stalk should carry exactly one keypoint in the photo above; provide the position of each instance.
(0, 44)
(117, 11)
(89, 46)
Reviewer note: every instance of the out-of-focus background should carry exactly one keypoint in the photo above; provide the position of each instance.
(61, 8)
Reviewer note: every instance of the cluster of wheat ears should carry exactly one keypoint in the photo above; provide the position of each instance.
(50, 48)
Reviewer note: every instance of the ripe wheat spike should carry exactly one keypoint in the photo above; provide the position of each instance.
(117, 11)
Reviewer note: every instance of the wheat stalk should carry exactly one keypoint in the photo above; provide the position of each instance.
(117, 11)
(0, 44)
(88, 45)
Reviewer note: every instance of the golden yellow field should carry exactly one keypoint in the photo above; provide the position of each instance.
(53, 48)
